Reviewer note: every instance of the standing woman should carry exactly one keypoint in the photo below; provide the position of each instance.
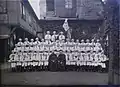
(61, 61)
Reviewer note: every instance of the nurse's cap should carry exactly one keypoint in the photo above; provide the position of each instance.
(77, 40)
(20, 39)
(48, 32)
(67, 39)
(72, 40)
(54, 32)
(87, 40)
(36, 38)
(98, 40)
(42, 39)
(13, 51)
(61, 32)
(26, 39)
(82, 40)
(31, 40)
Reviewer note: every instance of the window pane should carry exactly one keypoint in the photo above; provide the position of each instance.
(29, 19)
(23, 10)
(2, 6)
(50, 5)
(68, 3)
(3, 17)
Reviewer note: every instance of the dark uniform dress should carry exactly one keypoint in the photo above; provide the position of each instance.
(52, 62)
(61, 62)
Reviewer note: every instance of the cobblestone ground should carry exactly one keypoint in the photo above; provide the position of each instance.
(54, 78)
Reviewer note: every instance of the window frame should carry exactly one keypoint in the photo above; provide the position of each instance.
(3, 7)
(23, 11)
(69, 4)
(51, 3)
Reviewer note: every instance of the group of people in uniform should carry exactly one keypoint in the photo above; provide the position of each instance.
(57, 53)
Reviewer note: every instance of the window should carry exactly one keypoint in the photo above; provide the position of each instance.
(29, 19)
(3, 18)
(68, 3)
(0, 8)
(23, 11)
(3, 7)
(50, 5)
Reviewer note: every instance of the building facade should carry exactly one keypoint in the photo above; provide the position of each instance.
(77, 9)
(54, 12)
(111, 34)
(17, 20)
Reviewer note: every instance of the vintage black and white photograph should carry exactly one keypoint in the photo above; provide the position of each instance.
(59, 42)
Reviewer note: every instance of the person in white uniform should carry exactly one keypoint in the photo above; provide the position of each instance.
(37, 42)
(77, 46)
(52, 46)
(67, 44)
(26, 45)
(76, 60)
(61, 37)
(12, 56)
(72, 45)
(92, 45)
(98, 45)
(42, 46)
(82, 45)
(54, 36)
(12, 61)
(88, 45)
(48, 37)
(32, 45)
(19, 45)
(67, 53)
(47, 46)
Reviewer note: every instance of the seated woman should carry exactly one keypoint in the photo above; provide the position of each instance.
(52, 62)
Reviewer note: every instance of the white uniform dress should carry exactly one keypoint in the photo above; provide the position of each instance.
(42, 46)
(96, 57)
(35, 56)
(37, 45)
(77, 47)
(54, 37)
(88, 48)
(46, 47)
(67, 46)
(25, 56)
(26, 45)
(61, 37)
(19, 46)
(32, 46)
(82, 45)
(98, 46)
(63, 47)
(72, 46)
(47, 38)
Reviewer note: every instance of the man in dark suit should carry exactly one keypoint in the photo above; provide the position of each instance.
(61, 61)
(52, 62)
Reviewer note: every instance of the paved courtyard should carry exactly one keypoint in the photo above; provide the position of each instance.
(54, 78)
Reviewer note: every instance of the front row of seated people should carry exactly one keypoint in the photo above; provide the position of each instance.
(72, 59)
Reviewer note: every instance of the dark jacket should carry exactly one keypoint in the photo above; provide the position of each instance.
(52, 62)
(62, 58)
